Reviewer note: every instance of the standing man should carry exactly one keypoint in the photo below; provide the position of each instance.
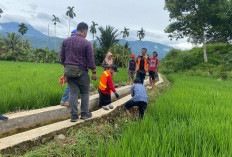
(131, 69)
(153, 69)
(77, 57)
(143, 62)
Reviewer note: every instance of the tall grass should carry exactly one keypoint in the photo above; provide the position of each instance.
(193, 118)
(35, 85)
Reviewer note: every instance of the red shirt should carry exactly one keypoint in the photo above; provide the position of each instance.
(153, 64)
(110, 86)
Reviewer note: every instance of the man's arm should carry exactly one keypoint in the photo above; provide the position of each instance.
(148, 60)
(132, 91)
(91, 60)
(90, 57)
(110, 83)
(62, 54)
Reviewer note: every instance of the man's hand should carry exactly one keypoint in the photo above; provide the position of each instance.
(94, 77)
(116, 95)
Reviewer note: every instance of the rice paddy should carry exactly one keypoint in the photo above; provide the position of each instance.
(193, 118)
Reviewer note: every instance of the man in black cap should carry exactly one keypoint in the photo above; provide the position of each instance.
(106, 87)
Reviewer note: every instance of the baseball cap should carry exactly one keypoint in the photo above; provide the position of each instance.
(74, 32)
(132, 55)
(114, 67)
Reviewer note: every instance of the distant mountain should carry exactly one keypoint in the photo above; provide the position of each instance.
(40, 40)
(136, 46)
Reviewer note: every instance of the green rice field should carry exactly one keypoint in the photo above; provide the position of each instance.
(36, 85)
(193, 118)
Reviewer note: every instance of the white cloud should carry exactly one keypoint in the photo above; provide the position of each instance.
(130, 13)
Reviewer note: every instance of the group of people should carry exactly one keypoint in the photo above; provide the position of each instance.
(77, 57)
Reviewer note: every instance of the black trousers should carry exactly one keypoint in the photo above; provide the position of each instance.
(142, 106)
(104, 99)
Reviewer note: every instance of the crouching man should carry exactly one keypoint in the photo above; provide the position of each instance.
(106, 87)
(139, 98)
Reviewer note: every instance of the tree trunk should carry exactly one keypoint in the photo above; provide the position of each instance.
(69, 28)
(93, 36)
(22, 42)
(48, 39)
(204, 48)
(55, 38)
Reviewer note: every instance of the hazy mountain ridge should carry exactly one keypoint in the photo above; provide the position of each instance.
(40, 40)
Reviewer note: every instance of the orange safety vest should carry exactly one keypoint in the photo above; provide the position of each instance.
(145, 64)
(103, 81)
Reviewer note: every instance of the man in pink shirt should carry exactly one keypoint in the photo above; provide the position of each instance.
(153, 69)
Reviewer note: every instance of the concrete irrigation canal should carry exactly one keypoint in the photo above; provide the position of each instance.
(25, 130)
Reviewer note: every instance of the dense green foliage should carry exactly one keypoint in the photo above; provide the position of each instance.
(108, 37)
(34, 85)
(201, 21)
(219, 63)
(193, 118)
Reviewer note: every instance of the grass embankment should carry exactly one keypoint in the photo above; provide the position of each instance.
(84, 141)
(36, 85)
(193, 118)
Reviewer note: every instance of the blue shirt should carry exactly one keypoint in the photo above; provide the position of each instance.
(139, 93)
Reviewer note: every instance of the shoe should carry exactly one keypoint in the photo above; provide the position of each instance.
(86, 115)
(3, 117)
(64, 104)
(74, 118)
(105, 107)
(110, 106)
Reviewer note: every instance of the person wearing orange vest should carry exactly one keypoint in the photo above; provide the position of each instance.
(143, 62)
(106, 87)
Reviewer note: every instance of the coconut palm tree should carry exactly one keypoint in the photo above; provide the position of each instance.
(55, 20)
(141, 35)
(93, 29)
(11, 42)
(70, 13)
(22, 30)
(125, 33)
(1, 11)
(108, 37)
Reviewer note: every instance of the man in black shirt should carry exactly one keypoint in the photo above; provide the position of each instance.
(143, 62)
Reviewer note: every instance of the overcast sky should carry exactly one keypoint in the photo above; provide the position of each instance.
(134, 14)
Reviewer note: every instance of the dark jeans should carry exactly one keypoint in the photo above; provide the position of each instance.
(142, 106)
(77, 84)
(104, 99)
(141, 76)
(152, 74)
